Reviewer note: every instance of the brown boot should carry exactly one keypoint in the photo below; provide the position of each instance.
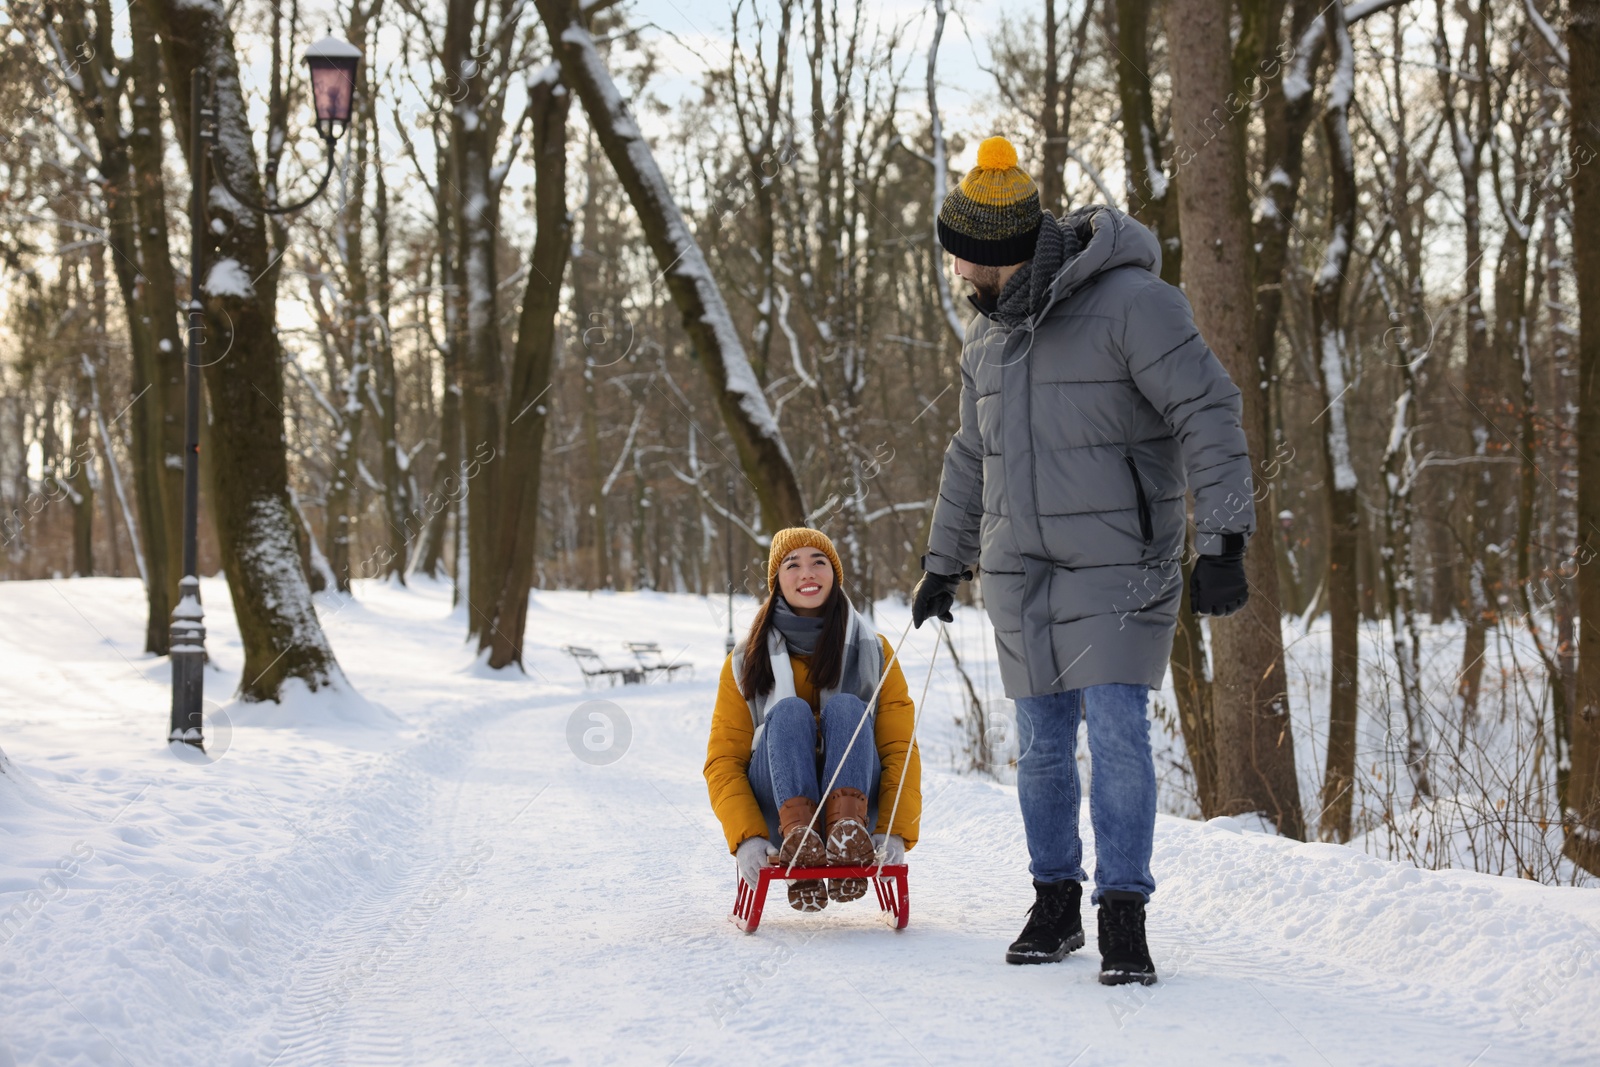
(802, 847)
(849, 841)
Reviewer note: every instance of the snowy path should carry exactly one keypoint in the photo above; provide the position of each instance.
(462, 888)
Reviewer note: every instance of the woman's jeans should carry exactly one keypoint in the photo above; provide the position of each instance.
(784, 763)
(1122, 788)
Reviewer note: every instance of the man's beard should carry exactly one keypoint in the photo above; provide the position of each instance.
(985, 282)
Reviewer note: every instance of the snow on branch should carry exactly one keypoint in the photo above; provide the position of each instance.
(627, 447)
(1551, 37)
(689, 261)
(1308, 50)
(895, 509)
(713, 337)
(711, 502)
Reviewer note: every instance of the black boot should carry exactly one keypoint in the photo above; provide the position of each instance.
(1124, 957)
(1054, 926)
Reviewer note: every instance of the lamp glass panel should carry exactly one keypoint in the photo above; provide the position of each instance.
(332, 86)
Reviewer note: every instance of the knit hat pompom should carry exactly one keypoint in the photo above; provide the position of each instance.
(786, 541)
(992, 217)
(996, 153)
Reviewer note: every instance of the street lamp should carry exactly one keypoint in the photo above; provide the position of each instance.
(727, 539)
(333, 84)
(333, 66)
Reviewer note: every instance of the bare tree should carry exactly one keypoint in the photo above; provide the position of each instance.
(278, 625)
(762, 452)
(1255, 765)
(1471, 125)
(106, 87)
(517, 482)
(1340, 476)
(1581, 814)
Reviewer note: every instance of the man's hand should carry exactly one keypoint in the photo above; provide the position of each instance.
(1218, 586)
(934, 595)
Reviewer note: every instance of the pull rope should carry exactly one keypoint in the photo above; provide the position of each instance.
(916, 721)
(865, 715)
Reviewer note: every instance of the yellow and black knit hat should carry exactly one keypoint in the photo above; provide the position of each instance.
(992, 218)
(786, 541)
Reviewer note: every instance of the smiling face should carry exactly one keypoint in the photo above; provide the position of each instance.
(805, 578)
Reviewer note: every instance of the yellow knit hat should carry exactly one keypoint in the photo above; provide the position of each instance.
(786, 541)
(993, 216)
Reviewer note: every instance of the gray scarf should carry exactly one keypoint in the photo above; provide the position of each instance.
(800, 632)
(863, 664)
(1028, 289)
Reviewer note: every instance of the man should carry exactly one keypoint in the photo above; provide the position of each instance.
(1089, 403)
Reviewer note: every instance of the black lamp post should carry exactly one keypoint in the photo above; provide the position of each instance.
(333, 66)
(727, 537)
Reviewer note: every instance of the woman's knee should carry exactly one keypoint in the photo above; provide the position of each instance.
(844, 706)
(790, 713)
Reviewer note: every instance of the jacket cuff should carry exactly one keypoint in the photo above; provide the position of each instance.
(933, 563)
(1217, 544)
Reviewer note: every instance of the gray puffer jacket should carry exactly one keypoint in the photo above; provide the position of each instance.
(1080, 430)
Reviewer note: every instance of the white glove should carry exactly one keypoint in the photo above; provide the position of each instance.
(752, 855)
(890, 849)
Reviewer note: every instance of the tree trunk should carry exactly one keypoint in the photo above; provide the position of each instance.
(1581, 819)
(586, 287)
(396, 498)
(1153, 200)
(110, 474)
(940, 163)
(1152, 194)
(163, 351)
(1411, 331)
(599, 529)
(749, 420)
(1191, 685)
(1255, 766)
(1052, 180)
(474, 125)
(447, 467)
(518, 482)
(1469, 132)
(278, 624)
(136, 231)
(1339, 476)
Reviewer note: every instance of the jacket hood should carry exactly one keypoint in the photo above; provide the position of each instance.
(1111, 239)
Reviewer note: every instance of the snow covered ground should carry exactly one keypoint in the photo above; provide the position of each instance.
(461, 867)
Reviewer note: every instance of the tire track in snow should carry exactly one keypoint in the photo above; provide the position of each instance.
(347, 996)
(353, 954)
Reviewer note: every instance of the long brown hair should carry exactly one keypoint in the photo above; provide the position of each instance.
(827, 662)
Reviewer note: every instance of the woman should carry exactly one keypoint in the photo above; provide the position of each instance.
(793, 694)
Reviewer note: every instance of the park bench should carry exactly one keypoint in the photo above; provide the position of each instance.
(594, 668)
(648, 653)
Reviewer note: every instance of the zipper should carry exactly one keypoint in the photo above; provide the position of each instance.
(1145, 530)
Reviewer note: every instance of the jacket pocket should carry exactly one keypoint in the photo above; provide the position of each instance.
(1145, 529)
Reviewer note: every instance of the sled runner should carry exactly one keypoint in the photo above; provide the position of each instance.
(894, 895)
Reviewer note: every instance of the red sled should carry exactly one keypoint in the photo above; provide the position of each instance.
(894, 895)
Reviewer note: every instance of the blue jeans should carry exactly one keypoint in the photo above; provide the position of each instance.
(784, 763)
(1122, 790)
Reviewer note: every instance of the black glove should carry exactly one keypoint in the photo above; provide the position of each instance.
(934, 595)
(1217, 586)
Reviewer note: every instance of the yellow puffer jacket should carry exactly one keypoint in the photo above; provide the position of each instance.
(728, 754)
